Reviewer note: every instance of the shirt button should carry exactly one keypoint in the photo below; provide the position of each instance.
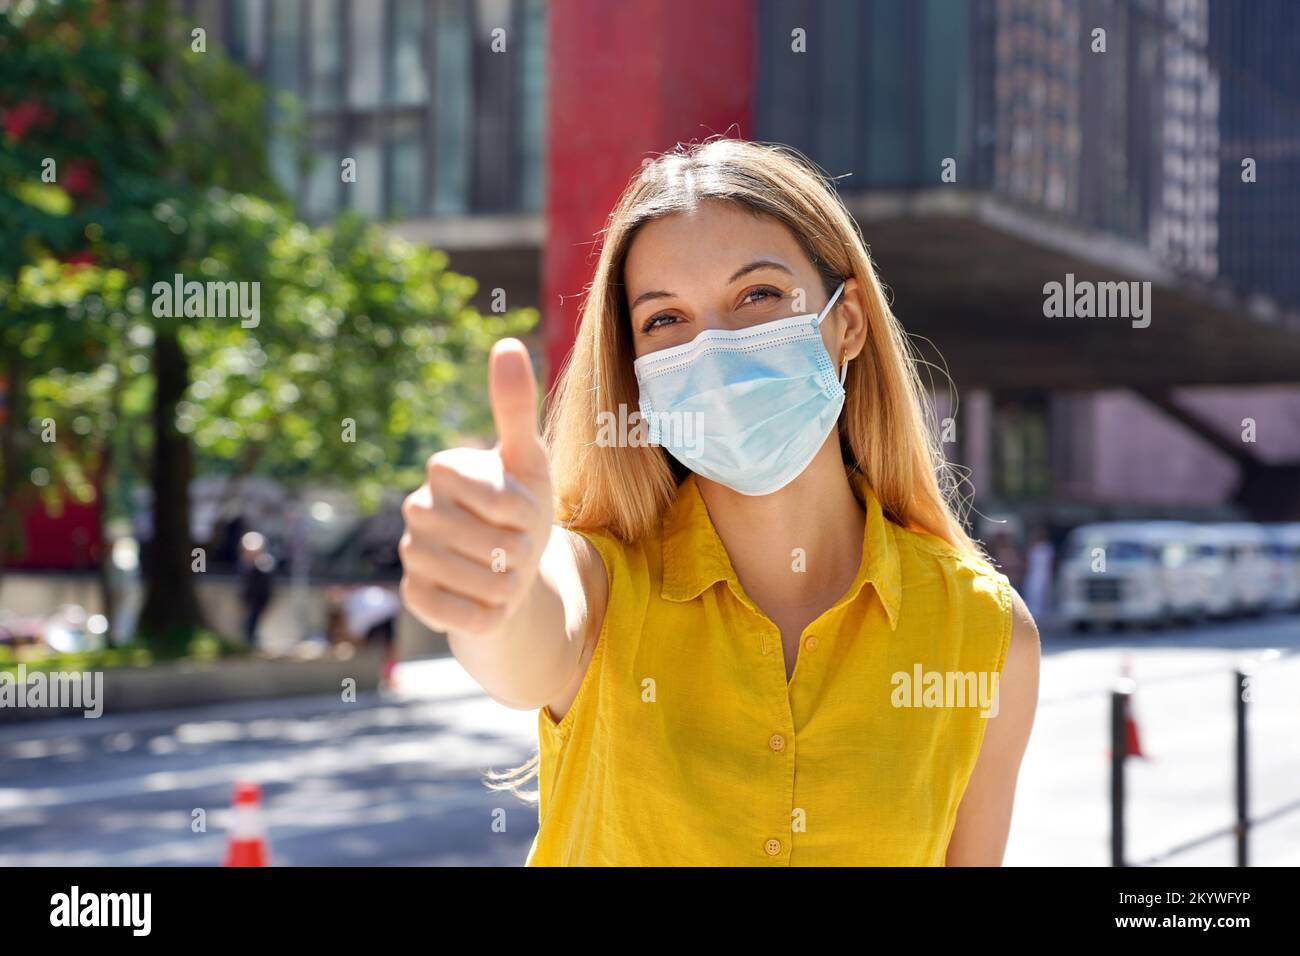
(776, 742)
(773, 847)
(811, 643)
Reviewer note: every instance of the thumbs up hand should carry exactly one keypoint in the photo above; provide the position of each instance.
(512, 390)
(477, 527)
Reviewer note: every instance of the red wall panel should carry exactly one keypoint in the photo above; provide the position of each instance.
(627, 79)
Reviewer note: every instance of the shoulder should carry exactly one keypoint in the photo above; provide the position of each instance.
(1025, 650)
(966, 590)
(929, 560)
(599, 553)
(615, 574)
(598, 560)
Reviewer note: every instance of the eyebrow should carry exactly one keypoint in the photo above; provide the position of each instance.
(738, 274)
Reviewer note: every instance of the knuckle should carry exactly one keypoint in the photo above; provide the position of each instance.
(516, 547)
(502, 586)
(440, 467)
(433, 562)
(417, 504)
(442, 610)
(412, 600)
(515, 508)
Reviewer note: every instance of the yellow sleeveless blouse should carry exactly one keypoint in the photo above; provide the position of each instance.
(686, 746)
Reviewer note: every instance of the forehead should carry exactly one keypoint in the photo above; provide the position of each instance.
(714, 239)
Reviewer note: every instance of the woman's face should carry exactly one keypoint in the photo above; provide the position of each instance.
(720, 267)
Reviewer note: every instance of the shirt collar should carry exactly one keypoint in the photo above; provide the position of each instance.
(695, 559)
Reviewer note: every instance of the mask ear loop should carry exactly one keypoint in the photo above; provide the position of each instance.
(844, 365)
(831, 304)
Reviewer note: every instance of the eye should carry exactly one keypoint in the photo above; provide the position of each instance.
(654, 321)
(763, 293)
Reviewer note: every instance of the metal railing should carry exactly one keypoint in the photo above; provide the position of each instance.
(1121, 703)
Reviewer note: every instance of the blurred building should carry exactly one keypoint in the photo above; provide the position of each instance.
(442, 117)
(1099, 138)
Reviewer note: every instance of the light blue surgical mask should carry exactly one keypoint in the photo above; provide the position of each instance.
(748, 408)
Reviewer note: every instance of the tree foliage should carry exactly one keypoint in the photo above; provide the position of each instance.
(128, 159)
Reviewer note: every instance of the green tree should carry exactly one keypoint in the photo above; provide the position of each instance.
(161, 170)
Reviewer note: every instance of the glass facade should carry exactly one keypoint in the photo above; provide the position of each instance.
(1125, 118)
(439, 102)
(1257, 58)
(901, 111)
(1142, 139)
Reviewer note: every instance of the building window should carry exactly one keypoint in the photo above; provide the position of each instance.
(283, 61)
(367, 193)
(325, 54)
(407, 181)
(902, 109)
(1022, 456)
(322, 182)
(532, 97)
(366, 62)
(453, 81)
(406, 66)
(438, 121)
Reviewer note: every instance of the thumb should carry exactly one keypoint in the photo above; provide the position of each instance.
(512, 390)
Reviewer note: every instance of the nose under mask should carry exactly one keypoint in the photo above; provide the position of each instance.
(748, 408)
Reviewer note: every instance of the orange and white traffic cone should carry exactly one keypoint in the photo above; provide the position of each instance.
(1132, 742)
(247, 845)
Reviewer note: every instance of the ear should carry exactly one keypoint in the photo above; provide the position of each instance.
(852, 313)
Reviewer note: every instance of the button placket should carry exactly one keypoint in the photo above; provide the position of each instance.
(780, 743)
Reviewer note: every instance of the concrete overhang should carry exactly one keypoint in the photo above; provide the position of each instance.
(500, 251)
(967, 271)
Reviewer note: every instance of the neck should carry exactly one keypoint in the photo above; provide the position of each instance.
(799, 547)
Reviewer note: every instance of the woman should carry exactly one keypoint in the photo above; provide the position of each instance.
(730, 579)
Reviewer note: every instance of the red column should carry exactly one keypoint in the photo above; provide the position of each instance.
(627, 79)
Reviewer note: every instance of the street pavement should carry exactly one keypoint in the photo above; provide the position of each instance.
(396, 778)
(392, 779)
(1184, 786)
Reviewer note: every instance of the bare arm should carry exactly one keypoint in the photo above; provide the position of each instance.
(519, 599)
(984, 817)
(539, 656)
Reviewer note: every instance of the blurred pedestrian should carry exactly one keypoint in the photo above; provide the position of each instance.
(1037, 591)
(370, 613)
(255, 569)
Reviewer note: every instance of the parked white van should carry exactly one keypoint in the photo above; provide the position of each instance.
(1253, 573)
(1135, 572)
(1212, 569)
(1284, 546)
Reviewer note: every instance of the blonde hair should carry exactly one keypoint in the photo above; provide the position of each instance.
(886, 431)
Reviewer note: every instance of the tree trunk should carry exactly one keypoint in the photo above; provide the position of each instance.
(12, 418)
(171, 613)
(105, 484)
